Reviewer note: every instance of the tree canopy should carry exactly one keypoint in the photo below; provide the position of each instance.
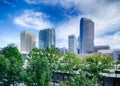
(14, 62)
(40, 66)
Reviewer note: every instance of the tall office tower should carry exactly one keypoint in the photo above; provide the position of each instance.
(72, 44)
(47, 38)
(27, 41)
(86, 41)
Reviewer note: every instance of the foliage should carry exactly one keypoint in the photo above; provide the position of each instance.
(4, 64)
(71, 64)
(42, 63)
(68, 63)
(87, 70)
(40, 66)
(81, 80)
(15, 64)
(118, 58)
(97, 64)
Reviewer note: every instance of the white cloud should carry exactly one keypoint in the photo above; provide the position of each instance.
(9, 3)
(70, 27)
(106, 18)
(33, 20)
(105, 14)
(31, 1)
(112, 40)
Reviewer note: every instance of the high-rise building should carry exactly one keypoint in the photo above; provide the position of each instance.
(72, 44)
(47, 38)
(86, 41)
(27, 41)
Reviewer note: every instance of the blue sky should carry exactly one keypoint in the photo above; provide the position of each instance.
(63, 15)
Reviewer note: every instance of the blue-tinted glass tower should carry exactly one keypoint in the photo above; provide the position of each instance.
(47, 38)
(86, 39)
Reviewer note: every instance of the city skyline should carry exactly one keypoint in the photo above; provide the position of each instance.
(64, 16)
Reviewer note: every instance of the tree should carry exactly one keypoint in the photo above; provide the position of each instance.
(85, 72)
(41, 64)
(81, 80)
(118, 58)
(4, 65)
(38, 69)
(53, 57)
(95, 65)
(69, 63)
(15, 66)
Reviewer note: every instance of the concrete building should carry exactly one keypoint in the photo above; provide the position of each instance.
(114, 53)
(101, 47)
(27, 41)
(86, 39)
(47, 38)
(72, 44)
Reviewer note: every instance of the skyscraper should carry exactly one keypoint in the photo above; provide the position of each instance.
(27, 41)
(86, 41)
(47, 38)
(72, 44)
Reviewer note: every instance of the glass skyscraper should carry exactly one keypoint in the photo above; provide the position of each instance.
(72, 44)
(86, 39)
(47, 38)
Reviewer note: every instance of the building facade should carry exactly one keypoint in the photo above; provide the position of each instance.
(114, 53)
(47, 38)
(63, 50)
(72, 44)
(27, 41)
(86, 39)
(101, 47)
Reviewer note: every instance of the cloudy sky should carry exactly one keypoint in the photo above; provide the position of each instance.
(63, 15)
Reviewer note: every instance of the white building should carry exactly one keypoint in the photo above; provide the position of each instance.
(27, 41)
(72, 44)
(111, 52)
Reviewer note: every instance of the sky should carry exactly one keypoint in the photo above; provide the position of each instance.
(63, 15)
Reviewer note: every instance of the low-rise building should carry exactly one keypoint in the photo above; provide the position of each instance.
(114, 53)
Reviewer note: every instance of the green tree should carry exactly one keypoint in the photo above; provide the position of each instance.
(69, 63)
(118, 59)
(85, 72)
(53, 57)
(15, 66)
(38, 69)
(97, 64)
(41, 64)
(4, 65)
(81, 80)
